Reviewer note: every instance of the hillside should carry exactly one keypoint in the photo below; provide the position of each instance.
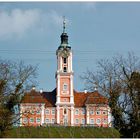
(62, 132)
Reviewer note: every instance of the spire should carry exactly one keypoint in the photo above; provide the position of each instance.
(64, 24)
(64, 36)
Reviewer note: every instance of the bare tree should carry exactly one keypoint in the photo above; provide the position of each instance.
(114, 80)
(15, 78)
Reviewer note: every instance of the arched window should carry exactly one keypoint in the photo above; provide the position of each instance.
(64, 60)
(65, 111)
(64, 69)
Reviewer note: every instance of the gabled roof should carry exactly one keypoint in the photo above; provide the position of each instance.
(81, 99)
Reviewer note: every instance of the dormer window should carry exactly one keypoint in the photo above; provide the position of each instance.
(65, 69)
(64, 60)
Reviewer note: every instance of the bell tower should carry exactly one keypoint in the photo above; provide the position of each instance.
(64, 81)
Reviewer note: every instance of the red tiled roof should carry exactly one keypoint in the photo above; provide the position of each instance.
(81, 98)
(33, 97)
(49, 98)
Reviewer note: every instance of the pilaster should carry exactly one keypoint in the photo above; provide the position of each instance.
(71, 90)
(58, 89)
(109, 117)
(72, 115)
(42, 113)
(58, 115)
(87, 116)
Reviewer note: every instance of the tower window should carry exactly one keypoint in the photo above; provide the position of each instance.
(64, 60)
(65, 69)
(65, 87)
(65, 111)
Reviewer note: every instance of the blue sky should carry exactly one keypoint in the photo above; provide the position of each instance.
(30, 31)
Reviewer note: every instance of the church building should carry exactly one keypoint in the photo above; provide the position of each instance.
(64, 105)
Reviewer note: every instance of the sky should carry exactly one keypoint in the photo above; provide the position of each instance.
(30, 31)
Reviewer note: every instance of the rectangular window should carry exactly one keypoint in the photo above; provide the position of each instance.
(65, 69)
(98, 121)
(53, 120)
(76, 121)
(47, 120)
(47, 111)
(53, 111)
(32, 111)
(104, 120)
(77, 112)
(64, 60)
(24, 120)
(98, 112)
(38, 112)
(83, 111)
(83, 121)
(91, 121)
(38, 120)
(91, 112)
(31, 120)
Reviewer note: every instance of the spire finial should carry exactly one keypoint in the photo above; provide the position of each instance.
(64, 24)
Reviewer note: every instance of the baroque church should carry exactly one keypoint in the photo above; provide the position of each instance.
(64, 105)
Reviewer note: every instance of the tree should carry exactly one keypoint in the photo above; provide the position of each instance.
(119, 79)
(15, 78)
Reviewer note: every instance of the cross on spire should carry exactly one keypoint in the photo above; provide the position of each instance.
(64, 24)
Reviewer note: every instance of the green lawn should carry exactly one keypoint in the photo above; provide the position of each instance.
(62, 132)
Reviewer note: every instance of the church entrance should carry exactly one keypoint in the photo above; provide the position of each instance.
(65, 116)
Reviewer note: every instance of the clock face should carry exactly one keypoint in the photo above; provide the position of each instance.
(64, 53)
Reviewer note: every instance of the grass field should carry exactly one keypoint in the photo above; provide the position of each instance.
(62, 132)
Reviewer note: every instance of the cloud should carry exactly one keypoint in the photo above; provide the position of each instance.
(56, 19)
(17, 22)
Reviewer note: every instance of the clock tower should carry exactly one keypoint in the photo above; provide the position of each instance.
(64, 82)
